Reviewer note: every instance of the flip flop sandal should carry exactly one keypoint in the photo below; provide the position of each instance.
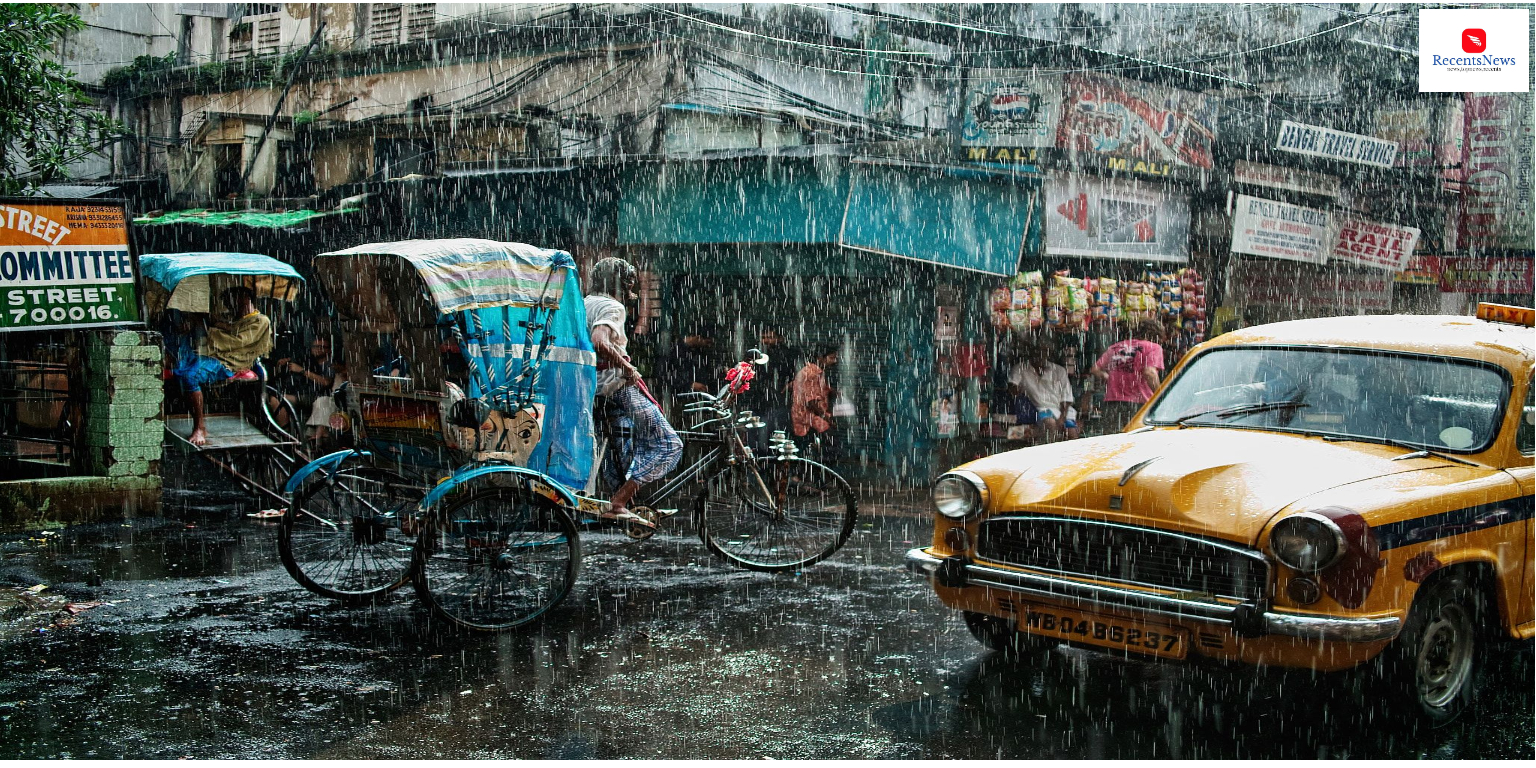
(628, 517)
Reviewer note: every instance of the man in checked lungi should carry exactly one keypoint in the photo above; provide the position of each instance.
(655, 447)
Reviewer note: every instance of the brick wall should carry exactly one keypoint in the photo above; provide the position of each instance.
(123, 431)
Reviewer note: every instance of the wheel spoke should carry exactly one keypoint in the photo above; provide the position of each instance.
(498, 560)
(815, 519)
(325, 550)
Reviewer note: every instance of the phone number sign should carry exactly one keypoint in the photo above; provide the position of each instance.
(65, 264)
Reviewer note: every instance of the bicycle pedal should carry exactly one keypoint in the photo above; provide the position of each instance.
(639, 531)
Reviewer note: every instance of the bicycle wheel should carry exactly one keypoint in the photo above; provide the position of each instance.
(738, 524)
(497, 559)
(342, 537)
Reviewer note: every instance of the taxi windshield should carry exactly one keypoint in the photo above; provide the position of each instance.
(1430, 402)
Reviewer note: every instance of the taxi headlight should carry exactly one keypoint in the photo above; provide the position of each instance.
(1307, 542)
(959, 495)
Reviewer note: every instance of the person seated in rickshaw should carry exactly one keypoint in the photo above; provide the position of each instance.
(655, 447)
(308, 385)
(233, 348)
(390, 362)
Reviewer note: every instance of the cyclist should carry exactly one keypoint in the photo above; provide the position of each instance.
(655, 447)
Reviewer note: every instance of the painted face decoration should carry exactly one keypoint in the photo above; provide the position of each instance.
(524, 429)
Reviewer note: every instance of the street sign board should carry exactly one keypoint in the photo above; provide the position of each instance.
(1374, 244)
(65, 264)
(1279, 230)
(1318, 141)
(1293, 179)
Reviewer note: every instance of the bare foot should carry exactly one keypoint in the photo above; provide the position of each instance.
(199, 437)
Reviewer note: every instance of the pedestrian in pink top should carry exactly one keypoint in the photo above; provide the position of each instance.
(810, 406)
(1130, 369)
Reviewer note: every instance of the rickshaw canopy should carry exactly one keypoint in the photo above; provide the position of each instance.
(468, 273)
(187, 277)
(169, 269)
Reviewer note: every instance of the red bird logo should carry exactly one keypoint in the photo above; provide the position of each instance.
(1474, 40)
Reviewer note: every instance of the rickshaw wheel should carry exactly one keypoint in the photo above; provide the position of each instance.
(497, 559)
(739, 526)
(341, 537)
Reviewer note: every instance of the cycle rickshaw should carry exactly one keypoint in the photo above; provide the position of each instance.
(253, 433)
(469, 491)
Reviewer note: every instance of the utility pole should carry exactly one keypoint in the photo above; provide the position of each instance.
(282, 97)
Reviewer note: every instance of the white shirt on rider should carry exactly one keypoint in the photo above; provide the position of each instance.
(605, 310)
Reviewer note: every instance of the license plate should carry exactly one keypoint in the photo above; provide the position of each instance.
(1136, 637)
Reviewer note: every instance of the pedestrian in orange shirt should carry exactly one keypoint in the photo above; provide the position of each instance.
(810, 408)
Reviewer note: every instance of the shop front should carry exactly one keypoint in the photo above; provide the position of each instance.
(1123, 163)
(888, 262)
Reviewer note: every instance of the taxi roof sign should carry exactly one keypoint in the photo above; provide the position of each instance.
(1504, 313)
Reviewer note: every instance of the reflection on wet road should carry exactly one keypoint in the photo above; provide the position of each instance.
(206, 648)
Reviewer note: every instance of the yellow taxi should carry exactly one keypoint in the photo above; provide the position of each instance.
(1318, 493)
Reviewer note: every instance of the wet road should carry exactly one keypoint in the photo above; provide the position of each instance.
(205, 648)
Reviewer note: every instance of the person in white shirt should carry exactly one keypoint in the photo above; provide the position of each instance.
(654, 445)
(1046, 385)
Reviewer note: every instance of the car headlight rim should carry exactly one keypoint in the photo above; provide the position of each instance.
(959, 495)
(1318, 530)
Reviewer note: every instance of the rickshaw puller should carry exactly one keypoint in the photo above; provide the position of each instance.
(234, 348)
(656, 447)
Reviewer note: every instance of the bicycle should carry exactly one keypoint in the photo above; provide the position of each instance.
(772, 513)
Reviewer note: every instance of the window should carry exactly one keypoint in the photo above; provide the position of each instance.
(1440, 403)
(383, 23)
(391, 23)
(269, 35)
(1525, 434)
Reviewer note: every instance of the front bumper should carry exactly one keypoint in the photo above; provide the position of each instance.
(1245, 619)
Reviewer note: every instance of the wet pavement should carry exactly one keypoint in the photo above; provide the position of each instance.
(202, 646)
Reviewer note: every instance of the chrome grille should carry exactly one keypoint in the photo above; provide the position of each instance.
(1126, 554)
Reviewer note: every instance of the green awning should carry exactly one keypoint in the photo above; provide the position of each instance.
(248, 218)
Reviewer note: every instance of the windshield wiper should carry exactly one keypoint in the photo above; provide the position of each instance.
(1239, 410)
(1418, 451)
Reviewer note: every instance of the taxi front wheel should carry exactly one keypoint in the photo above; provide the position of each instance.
(1000, 635)
(1436, 659)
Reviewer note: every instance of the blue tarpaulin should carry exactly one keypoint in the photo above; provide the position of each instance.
(941, 218)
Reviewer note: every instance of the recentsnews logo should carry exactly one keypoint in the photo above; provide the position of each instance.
(1456, 53)
(1474, 41)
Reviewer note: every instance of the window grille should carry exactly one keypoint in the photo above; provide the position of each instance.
(391, 23)
(383, 23)
(419, 20)
(269, 35)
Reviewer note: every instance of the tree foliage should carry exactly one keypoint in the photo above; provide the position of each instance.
(46, 120)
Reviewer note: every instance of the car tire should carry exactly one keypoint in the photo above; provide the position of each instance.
(1436, 662)
(1000, 635)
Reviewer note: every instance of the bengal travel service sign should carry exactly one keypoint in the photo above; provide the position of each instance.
(65, 265)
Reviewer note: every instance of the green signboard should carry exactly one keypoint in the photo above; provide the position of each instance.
(65, 264)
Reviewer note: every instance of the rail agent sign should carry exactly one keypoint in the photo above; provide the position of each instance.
(65, 264)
